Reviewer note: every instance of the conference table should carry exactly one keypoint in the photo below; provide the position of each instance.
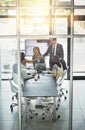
(45, 86)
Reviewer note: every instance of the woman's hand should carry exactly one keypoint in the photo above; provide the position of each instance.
(38, 58)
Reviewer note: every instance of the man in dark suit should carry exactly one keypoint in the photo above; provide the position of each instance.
(55, 50)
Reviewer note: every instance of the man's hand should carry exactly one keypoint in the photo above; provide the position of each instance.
(41, 57)
(38, 58)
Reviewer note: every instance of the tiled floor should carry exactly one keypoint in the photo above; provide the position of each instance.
(9, 121)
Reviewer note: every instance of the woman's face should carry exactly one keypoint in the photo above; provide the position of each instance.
(35, 51)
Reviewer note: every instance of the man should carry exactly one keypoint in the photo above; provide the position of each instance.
(55, 50)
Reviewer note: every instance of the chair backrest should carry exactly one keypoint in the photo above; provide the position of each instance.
(14, 86)
(15, 77)
(61, 79)
(40, 66)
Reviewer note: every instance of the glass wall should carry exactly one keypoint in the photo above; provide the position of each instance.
(79, 44)
(41, 19)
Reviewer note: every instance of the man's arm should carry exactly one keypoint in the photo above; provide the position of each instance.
(47, 52)
(62, 52)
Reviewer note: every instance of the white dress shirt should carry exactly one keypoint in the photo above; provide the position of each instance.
(54, 49)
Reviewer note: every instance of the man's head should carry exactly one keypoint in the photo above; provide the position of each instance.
(52, 41)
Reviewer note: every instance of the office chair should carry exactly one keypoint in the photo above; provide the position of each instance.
(38, 110)
(61, 90)
(14, 89)
(40, 67)
(15, 77)
(45, 109)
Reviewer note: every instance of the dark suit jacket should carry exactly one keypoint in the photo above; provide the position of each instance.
(59, 51)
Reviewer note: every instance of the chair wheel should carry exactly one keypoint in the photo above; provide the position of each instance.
(65, 98)
(16, 96)
(57, 108)
(58, 105)
(12, 98)
(31, 116)
(59, 100)
(11, 108)
(43, 116)
(54, 120)
(36, 114)
(62, 93)
(66, 91)
(58, 116)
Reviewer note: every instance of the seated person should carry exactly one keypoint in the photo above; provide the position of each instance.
(58, 68)
(38, 63)
(36, 55)
(24, 75)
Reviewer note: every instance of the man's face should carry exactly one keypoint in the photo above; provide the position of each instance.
(52, 41)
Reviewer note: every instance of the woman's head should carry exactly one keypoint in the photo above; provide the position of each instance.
(22, 56)
(36, 50)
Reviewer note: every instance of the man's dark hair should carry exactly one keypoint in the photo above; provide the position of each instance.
(54, 39)
(22, 56)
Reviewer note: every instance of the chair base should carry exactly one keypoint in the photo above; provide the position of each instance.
(13, 105)
(15, 96)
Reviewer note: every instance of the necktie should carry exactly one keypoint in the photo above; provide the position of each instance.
(53, 50)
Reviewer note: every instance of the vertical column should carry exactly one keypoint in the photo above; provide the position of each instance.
(71, 70)
(18, 56)
(0, 65)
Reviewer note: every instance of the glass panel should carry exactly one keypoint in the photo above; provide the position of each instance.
(79, 21)
(61, 2)
(60, 25)
(8, 12)
(38, 111)
(31, 3)
(79, 53)
(79, 27)
(34, 26)
(63, 42)
(79, 2)
(7, 2)
(34, 11)
(79, 12)
(7, 26)
(61, 11)
(8, 47)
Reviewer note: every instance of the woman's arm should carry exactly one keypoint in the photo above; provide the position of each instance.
(27, 61)
(33, 60)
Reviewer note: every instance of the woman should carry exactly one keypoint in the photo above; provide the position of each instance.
(36, 55)
(58, 68)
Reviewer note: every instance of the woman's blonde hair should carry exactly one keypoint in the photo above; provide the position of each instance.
(37, 48)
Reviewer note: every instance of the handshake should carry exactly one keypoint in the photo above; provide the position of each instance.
(40, 57)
